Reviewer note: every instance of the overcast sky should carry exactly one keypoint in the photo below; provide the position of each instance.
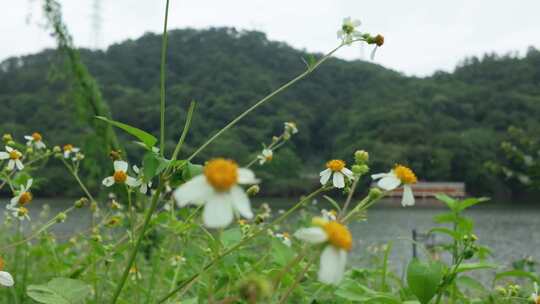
(422, 36)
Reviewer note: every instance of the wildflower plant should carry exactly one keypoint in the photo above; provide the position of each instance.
(179, 228)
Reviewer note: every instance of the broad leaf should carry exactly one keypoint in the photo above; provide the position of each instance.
(475, 266)
(148, 139)
(424, 279)
(151, 164)
(518, 274)
(60, 291)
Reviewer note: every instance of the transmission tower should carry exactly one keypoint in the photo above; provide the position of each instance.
(96, 24)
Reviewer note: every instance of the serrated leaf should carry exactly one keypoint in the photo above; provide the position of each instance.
(450, 202)
(424, 279)
(464, 204)
(150, 166)
(148, 139)
(59, 291)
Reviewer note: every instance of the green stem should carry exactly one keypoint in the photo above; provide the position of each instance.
(187, 125)
(349, 197)
(277, 221)
(162, 81)
(297, 281)
(135, 249)
(265, 99)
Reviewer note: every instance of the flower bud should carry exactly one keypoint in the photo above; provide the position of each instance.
(361, 157)
(253, 190)
(57, 149)
(255, 288)
(83, 201)
(115, 155)
(360, 169)
(375, 193)
(11, 143)
(7, 138)
(60, 217)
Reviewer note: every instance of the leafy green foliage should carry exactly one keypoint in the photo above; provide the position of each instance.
(60, 291)
(424, 278)
(148, 139)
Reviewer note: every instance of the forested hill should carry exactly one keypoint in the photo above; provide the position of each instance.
(445, 126)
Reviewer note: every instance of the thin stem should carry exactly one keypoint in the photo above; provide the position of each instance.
(265, 99)
(349, 197)
(297, 281)
(280, 219)
(162, 81)
(135, 249)
(187, 125)
(78, 179)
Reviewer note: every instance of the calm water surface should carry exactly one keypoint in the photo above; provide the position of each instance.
(511, 233)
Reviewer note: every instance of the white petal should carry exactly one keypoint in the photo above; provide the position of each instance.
(75, 150)
(408, 196)
(9, 149)
(338, 180)
(325, 176)
(66, 154)
(136, 169)
(246, 176)
(332, 265)
(19, 164)
(348, 173)
(120, 165)
(340, 34)
(6, 279)
(389, 182)
(108, 181)
(372, 55)
(133, 182)
(4, 155)
(218, 211)
(379, 175)
(144, 188)
(240, 202)
(27, 137)
(40, 145)
(28, 184)
(194, 191)
(11, 164)
(314, 235)
(356, 23)
(15, 200)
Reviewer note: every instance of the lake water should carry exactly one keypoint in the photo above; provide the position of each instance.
(512, 233)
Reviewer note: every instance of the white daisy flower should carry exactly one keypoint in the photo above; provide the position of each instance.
(140, 178)
(120, 176)
(265, 156)
(5, 277)
(35, 140)
(23, 196)
(19, 212)
(336, 167)
(348, 31)
(14, 157)
(285, 238)
(399, 176)
(70, 149)
(334, 255)
(218, 189)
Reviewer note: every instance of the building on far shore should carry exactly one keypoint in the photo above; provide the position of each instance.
(430, 189)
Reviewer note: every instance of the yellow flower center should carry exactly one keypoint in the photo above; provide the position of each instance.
(338, 235)
(335, 165)
(405, 174)
(286, 235)
(348, 28)
(221, 173)
(120, 177)
(25, 198)
(14, 155)
(1, 264)
(36, 136)
(22, 211)
(68, 148)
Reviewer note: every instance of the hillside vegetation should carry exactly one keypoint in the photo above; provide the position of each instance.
(445, 126)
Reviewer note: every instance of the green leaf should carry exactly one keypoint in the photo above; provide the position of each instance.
(468, 282)
(231, 236)
(450, 202)
(424, 278)
(462, 205)
(151, 164)
(518, 274)
(446, 231)
(148, 139)
(281, 253)
(191, 170)
(447, 217)
(475, 266)
(59, 291)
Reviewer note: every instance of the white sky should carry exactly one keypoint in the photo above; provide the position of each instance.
(422, 36)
